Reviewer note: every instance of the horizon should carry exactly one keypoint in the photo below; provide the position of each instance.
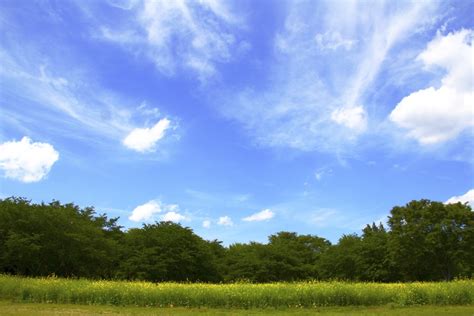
(238, 119)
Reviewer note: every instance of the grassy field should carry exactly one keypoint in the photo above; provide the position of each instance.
(241, 295)
(8, 308)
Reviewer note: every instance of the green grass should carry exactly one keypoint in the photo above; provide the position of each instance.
(8, 308)
(240, 295)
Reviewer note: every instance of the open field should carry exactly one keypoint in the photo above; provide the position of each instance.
(8, 308)
(238, 295)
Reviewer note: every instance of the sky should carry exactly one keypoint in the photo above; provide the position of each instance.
(238, 119)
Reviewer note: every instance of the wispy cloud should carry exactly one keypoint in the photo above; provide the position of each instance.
(225, 221)
(324, 64)
(177, 35)
(215, 198)
(55, 98)
(264, 215)
(322, 172)
(38, 95)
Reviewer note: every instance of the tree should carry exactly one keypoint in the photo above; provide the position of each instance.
(246, 262)
(373, 260)
(341, 261)
(294, 256)
(431, 240)
(43, 239)
(166, 251)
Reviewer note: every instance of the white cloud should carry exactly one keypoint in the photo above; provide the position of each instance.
(435, 115)
(174, 217)
(123, 4)
(191, 35)
(145, 139)
(147, 211)
(27, 161)
(260, 216)
(321, 217)
(56, 95)
(69, 106)
(225, 221)
(354, 118)
(206, 224)
(332, 41)
(313, 91)
(467, 197)
(322, 172)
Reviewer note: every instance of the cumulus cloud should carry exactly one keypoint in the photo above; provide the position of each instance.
(147, 211)
(260, 216)
(438, 114)
(27, 161)
(467, 197)
(174, 217)
(206, 224)
(190, 35)
(145, 139)
(225, 221)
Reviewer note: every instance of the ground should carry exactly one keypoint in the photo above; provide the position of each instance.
(8, 308)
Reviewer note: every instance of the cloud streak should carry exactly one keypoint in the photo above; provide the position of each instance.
(264, 215)
(325, 62)
(69, 106)
(177, 35)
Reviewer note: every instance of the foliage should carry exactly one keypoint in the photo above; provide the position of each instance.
(166, 251)
(238, 295)
(424, 241)
(431, 240)
(43, 239)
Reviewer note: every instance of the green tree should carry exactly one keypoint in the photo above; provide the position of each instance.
(43, 239)
(246, 262)
(294, 257)
(373, 259)
(431, 240)
(166, 251)
(341, 261)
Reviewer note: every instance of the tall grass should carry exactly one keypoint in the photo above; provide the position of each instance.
(239, 295)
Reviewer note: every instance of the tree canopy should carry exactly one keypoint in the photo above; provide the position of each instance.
(424, 240)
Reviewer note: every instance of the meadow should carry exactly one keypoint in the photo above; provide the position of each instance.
(235, 295)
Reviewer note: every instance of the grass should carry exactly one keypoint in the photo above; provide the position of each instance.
(8, 308)
(237, 296)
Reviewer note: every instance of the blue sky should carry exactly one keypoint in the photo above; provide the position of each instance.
(238, 119)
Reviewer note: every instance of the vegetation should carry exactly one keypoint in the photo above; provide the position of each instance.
(8, 308)
(424, 241)
(237, 295)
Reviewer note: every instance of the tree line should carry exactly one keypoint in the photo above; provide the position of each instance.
(424, 241)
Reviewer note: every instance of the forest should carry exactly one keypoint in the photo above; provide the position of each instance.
(424, 241)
